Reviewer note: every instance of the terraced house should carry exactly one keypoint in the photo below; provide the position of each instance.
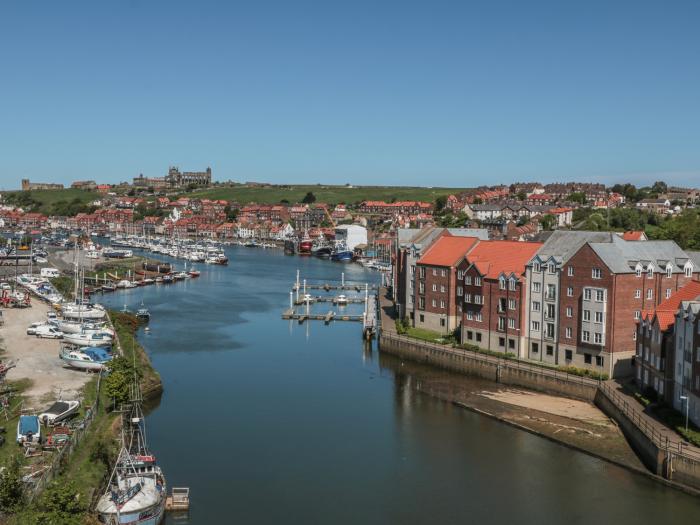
(686, 363)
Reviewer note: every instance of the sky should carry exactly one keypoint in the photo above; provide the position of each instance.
(438, 93)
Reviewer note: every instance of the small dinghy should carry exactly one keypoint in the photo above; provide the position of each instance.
(59, 411)
(28, 430)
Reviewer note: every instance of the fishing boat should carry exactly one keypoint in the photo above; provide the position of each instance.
(137, 489)
(143, 313)
(59, 411)
(305, 245)
(89, 339)
(194, 273)
(167, 279)
(108, 287)
(341, 253)
(28, 430)
(85, 358)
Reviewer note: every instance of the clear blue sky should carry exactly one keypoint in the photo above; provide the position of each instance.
(436, 93)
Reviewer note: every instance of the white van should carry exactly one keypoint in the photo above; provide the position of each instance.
(50, 272)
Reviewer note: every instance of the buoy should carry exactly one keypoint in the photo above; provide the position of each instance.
(146, 329)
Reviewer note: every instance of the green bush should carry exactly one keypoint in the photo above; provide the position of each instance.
(474, 348)
(584, 372)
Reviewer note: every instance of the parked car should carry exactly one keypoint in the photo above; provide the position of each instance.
(48, 332)
(31, 329)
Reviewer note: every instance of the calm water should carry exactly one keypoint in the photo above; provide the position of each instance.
(270, 422)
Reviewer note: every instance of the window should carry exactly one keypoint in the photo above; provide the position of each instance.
(599, 317)
(650, 272)
(688, 270)
(585, 336)
(598, 338)
(637, 314)
(511, 304)
(511, 344)
(599, 360)
(434, 303)
(468, 279)
(550, 311)
(459, 275)
(669, 271)
(422, 272)
(502, 283)
(435, 271)
(668, 293)
(421, 302)
(569, 311)
(550, 350)
(412, 283)
(600, 296)
(477, 317)
(535, 306)
(535, 326)
(512, 283)
(467, 298)
(470, 335)
(570, 271)
(536, 287)
(442, 304)
(477, 299)
(568, 332)
(570, 291)
(637, 293)
(413, 269)
(568, 355)
(470, 316)
(460, 291)
(638, 271)
(550, 330)
(434, 287)
(501, 323)
(587, 294)
(477, 281)
(596, 273)
(443, 272)
(442, 288)
(552, 268)
(501, 341)
(650, 294)
(511, 323)
(551, 292)
(422, 318)
(536, 267)
(442, 322)
(586, 315)
(587, 358)
(478, 337)
(421, 287)
(535, 348)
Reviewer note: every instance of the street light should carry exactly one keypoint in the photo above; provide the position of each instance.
(685, 398)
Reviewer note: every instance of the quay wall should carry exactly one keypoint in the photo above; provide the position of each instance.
(506, 371)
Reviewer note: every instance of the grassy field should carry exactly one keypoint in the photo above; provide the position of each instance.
(49, 201)
(323, 193)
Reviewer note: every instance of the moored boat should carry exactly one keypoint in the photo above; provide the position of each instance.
(59, 411)
(85, 358)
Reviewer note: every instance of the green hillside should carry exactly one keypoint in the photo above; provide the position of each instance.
(51, 202)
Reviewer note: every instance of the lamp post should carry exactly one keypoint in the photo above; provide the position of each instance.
(685, 398)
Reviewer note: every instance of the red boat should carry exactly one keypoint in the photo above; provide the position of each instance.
(305, 246)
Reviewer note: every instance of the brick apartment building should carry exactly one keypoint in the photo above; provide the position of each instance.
(436, 283)
(490, 292)
(655, 343)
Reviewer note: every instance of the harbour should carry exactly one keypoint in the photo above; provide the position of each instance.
(318, 426)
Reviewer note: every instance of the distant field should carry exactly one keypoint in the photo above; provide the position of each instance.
(323, 193)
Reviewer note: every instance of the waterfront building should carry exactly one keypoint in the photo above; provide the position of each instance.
(686, 363)
(656, 343)
(490, 292)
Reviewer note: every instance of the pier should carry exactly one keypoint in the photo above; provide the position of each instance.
(300, 303)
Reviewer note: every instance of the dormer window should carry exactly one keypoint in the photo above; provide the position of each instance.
(669, 271)
(511, 284)
(650, 272)
(502, 283)
(552, 268)
(536, 267)
(638, 271)
(688, 270)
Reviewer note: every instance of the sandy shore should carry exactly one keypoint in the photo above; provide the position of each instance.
(37, 359)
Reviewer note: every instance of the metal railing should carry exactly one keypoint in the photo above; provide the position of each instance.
(634, 412)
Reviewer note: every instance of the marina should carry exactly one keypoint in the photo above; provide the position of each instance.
(354, 426)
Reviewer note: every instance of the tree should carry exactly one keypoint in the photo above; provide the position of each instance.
(309, 198)
(61, 504)
(659, 187)
(548, 222)
(118, 382)
(440, 203)
(521, 195)
(11, 490)
(577, 196)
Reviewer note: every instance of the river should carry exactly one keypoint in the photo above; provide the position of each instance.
(269, 422)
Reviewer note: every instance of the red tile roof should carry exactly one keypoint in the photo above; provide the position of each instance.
(633, 235)
(666, 311)
(448, 250)
(492, 258)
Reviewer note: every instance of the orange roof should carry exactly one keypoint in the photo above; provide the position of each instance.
(666, 311)
(633, 235)
(448, 250)
(492, 258)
